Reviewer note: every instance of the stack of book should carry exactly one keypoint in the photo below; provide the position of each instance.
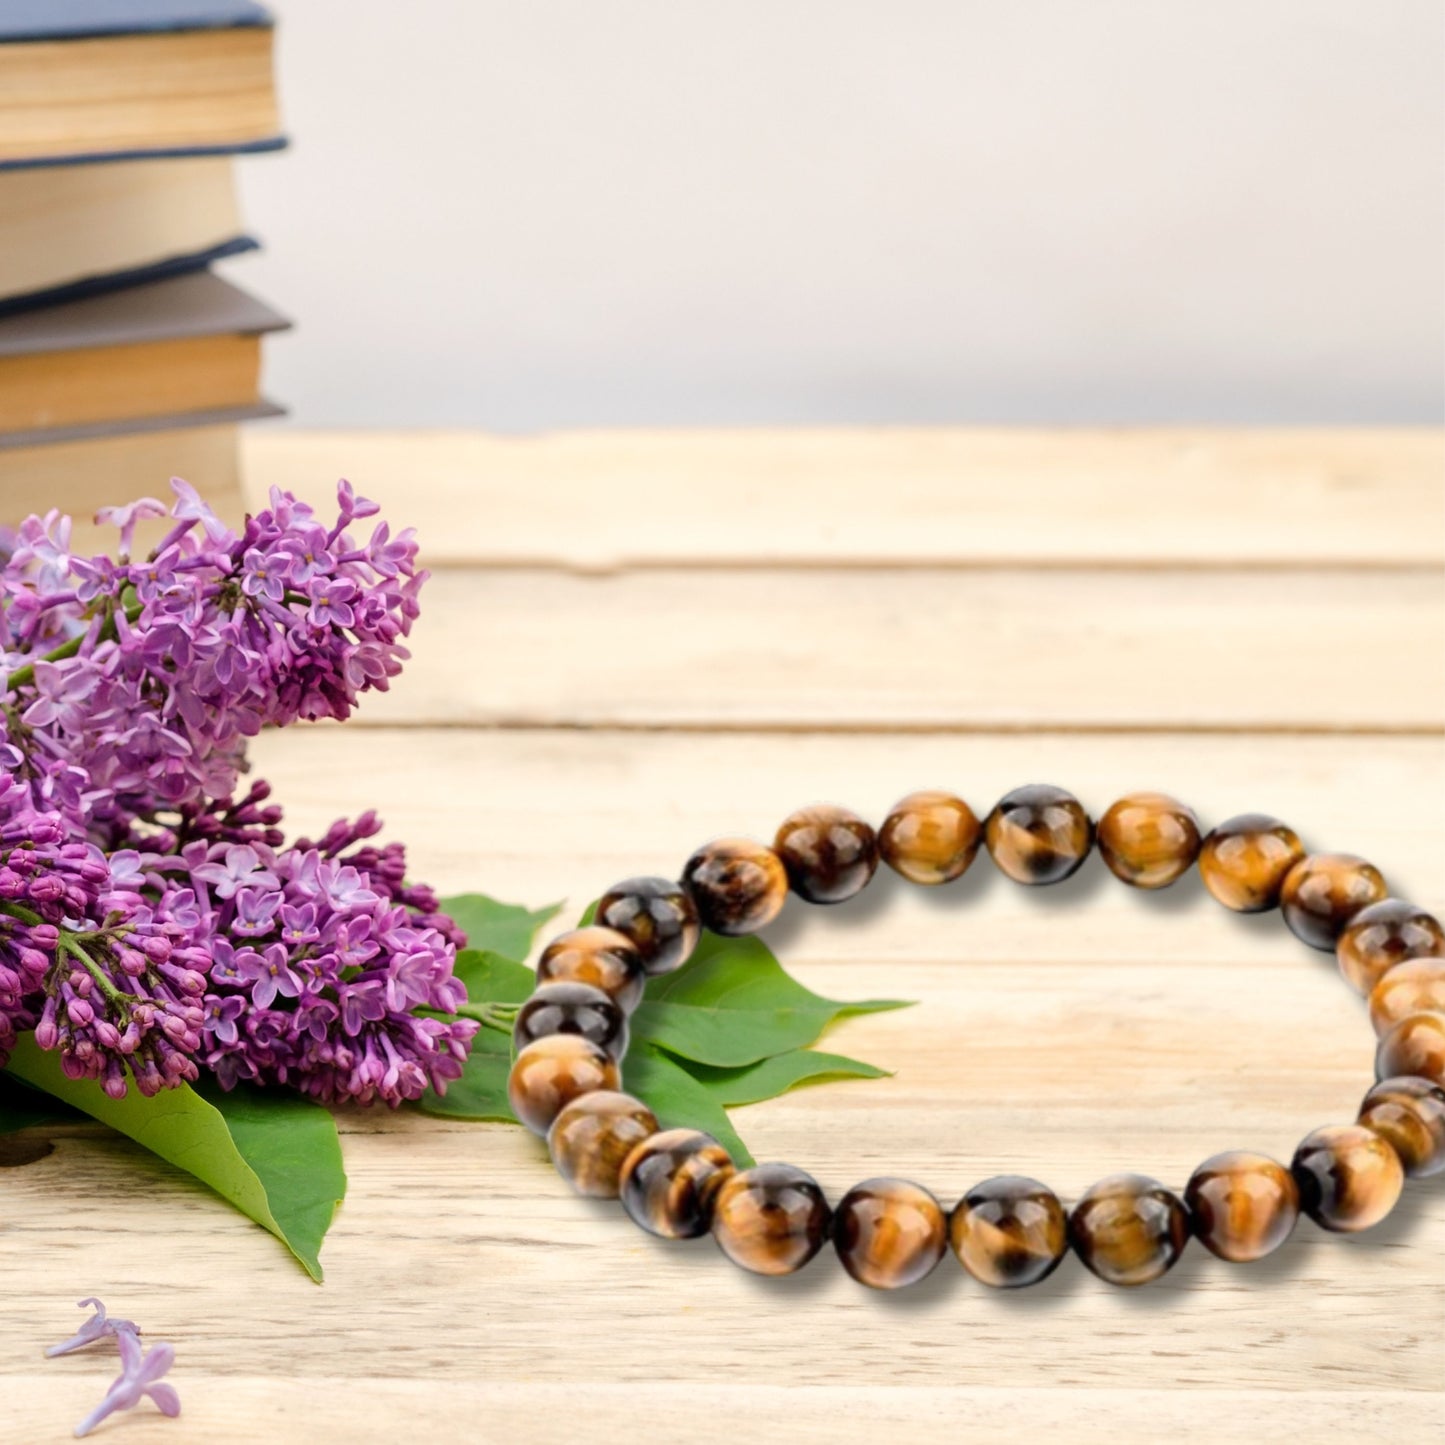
(123, 360)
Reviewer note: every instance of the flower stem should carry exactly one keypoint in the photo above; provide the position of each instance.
(70, 944)
(499, 1016)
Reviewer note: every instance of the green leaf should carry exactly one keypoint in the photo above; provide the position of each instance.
(771, 1077)
(492, 978)
(272, 1154)
(504, 928)
(22, 1107)
(679, 1100)
(732, 1004)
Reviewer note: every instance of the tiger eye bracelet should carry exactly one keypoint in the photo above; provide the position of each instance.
(571, 1039)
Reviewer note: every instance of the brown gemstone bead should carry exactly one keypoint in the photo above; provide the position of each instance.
(572, 1008)
(1413, 987)
(1245, 859)
(1039, 834)
(1129, 1229)
(1009, 1231)
(1323, 892)
(1410, 1114)
(1349, 1177)
(1242, 1206)
(739, 886)
(889, 1233)
(771, 1219)
(670, 1182)
(593, 1135)
(930, 838)
(1414, 1047)
(657, 915)
(829, 853)
(1382, 935)
(601, 957)
(547, 1075)
(1149, 839)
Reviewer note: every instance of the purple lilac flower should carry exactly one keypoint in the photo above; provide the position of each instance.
(150, 917)
(330, 993)
(140, 1375)
(97, 1327)
(291, 619)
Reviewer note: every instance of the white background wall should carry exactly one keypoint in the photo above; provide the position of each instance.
(570, 212)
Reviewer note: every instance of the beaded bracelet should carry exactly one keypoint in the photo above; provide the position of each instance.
(571, 1037)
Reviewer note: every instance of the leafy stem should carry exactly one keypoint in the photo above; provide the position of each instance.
(499, 1016)
(70, 944)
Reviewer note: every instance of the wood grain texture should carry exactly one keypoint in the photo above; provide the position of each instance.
(1064, 1033)
(928, 648)
(900, 497)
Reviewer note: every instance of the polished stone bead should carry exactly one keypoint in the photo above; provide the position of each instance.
(593, 1135)
(573, 1008)
(1242, 1206)
(1414, 1047)
(1349, 1177)
(657, 915)
(930, 838)
(1415, 986)
(1129, 1229)
(1322, 892)
(1149, 839)
(1039, 834)
(600, 957)
(1382, 935)
(889, 1233)
(1244, 861)
(829, 853)
(669, 1184)
(547, 1075)
(771, 1219)
(1410, 1113)
(739, 886)
(1009, 1231)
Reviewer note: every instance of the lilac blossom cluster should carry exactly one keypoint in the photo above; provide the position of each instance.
(320, 967)
(134, 684)
(152, 921)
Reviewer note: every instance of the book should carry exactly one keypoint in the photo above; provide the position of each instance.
(112, 79)
(188, 344)
(73, 231)
(82, 474)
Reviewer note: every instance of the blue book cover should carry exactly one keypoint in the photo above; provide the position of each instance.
(80, 19)
(132, 276)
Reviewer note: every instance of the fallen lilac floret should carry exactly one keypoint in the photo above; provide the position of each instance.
(97, 1327)
(139, 1376)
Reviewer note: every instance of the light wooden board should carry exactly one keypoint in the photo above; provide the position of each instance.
(929, 648)
(557, 732)
(599, 500)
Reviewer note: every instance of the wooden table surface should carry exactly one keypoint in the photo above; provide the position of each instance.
(634, 642)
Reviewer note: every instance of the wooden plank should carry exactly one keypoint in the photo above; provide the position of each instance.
(898, 496)
(329, 1406)
(926, 648)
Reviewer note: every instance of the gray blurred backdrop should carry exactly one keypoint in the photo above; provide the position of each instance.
(580, 212)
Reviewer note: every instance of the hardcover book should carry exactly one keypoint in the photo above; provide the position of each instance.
(73, 231)
(110, 79)
(191, 344)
